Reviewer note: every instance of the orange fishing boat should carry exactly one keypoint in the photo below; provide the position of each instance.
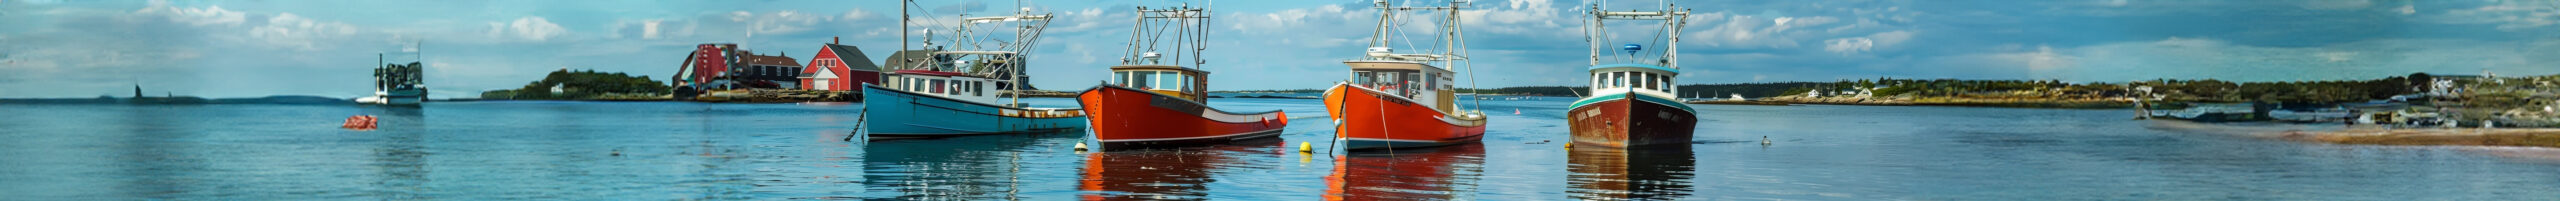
(1404, 100)
(1150, 104)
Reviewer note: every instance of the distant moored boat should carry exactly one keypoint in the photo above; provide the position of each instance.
(397, 84)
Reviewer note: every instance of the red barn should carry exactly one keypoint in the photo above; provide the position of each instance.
(839, 68)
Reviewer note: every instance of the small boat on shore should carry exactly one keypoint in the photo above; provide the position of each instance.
(1632, 103)
(961, 92)
(1151, 104)
(1404, 100)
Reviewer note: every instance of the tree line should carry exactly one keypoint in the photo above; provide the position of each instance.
(583, 84)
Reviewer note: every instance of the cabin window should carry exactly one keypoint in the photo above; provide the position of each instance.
(1609, 80)
(1662, 83)
(1121, 78)
(1649, 80)
(1143, 79)
(975, 90)
(1386, 81)
(1624, 80)
(937, 86)
(1363, 77)
(1430, 81)
(1175, 80)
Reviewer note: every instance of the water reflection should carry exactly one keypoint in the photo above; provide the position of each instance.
(1655, 173)
(1418, 174)
(966, 168)
(400, 158)
(155, 164)
(1180, 174)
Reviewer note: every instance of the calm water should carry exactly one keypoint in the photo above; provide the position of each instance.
(659, 151)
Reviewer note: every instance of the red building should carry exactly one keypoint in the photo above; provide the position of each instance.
(724, 66)
(839, 68)
(706, 62)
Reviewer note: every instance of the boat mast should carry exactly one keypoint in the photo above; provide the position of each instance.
(902, 27)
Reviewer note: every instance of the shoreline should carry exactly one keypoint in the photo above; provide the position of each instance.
(1962, 102)
(2520, 137)
(2372, 135)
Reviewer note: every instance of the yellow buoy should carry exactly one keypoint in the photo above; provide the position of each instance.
(1568, 145)
(1079, 146)
(1304, 147)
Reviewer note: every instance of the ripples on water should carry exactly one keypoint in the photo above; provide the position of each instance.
(659, 151)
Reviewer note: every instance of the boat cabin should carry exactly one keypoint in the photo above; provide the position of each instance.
(944, 84)
(1186, 83)
(1410, 80)
(1639, 78)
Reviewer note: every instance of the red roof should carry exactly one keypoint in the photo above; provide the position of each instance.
(929, 72)
(770, 60)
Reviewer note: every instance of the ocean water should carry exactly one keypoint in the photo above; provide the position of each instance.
(668, 150)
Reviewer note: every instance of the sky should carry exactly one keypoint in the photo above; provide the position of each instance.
(62, 48)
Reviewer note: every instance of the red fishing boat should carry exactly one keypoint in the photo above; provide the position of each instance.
(1373, 119)
(1631, 103)
(1150, 104)
(1404, 100)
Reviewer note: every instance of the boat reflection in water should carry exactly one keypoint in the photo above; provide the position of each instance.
(401, 157)
(1640, 173)
(1406, 174)
(985, 167)
(1169, 174)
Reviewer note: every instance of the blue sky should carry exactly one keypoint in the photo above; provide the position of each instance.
(56, 48)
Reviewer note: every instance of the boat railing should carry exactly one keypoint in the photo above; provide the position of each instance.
(1043, 113)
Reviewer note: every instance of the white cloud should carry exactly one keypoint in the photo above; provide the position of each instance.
(1867, 43)
(1849, 45)
(1742, 31)
(213, 15)
(289, 30)
(528, 28)
(2508, 15)
(649, 29)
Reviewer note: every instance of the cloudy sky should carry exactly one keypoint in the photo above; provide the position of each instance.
(58, 48)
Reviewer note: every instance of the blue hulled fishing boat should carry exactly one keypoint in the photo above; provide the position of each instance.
(934, 92)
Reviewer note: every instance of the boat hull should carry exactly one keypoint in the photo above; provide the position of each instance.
(1124, 118)
(396, 97)
(898, 114)
(1370, 119)
(1630, 120)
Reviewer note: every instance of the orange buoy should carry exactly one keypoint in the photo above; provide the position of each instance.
(359, 122)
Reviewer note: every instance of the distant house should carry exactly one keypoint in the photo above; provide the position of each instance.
(839, 68)
(760, 71)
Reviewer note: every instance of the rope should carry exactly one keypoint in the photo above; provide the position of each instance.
(857, 124)
(1391, 135)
